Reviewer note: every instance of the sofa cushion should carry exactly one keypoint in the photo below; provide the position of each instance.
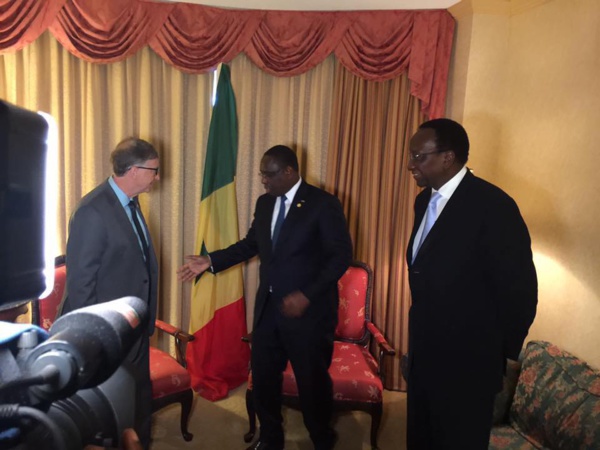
(504, 398)
(506, 437)
(557, 400)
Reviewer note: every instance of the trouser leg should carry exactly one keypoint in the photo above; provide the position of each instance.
(268, 363)
(310, 355)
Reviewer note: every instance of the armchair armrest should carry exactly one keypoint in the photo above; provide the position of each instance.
(181, 339)
(385, 349)
(381, 341)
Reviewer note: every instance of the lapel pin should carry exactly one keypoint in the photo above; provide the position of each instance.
(299, 205)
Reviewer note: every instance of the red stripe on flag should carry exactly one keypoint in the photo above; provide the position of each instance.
(217, 361)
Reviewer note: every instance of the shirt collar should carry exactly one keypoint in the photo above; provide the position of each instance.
(448, 189)
(292, 192)
(123, 199)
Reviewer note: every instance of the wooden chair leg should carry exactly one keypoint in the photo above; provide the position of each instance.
(376, 413)
(251, 416)
(186, 409)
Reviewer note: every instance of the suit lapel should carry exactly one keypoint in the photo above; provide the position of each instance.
(448, 214)
(152, 253)
(420, 208)
(122, 220)
(265, 232)
(294, 214)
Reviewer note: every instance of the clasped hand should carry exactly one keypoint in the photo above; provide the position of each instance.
(294, 304)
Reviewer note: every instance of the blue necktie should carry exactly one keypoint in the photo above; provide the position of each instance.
(280, 219)
(430, 217)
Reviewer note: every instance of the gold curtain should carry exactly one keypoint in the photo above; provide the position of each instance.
(361, 157)
(97, 105)
(293, 111)
(371, 126)
(375, 45)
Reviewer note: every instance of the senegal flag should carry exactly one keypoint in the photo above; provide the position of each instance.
(217, 358)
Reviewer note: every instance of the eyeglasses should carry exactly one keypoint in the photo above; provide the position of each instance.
(156, 169)
(420, 157)
(268, 174)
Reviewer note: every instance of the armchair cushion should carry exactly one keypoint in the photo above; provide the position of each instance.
(352, 290)
(167, 375)
(46, 310)
(353, 372)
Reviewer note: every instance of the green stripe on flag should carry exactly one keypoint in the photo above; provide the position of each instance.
(221, 151)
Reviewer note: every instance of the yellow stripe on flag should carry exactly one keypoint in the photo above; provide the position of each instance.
(217, 229)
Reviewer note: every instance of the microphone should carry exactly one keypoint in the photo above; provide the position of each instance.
(86, 346)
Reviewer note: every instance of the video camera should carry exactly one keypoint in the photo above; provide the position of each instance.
(72, 387)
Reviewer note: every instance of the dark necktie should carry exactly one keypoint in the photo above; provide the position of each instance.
(280, 219)
(140, 232)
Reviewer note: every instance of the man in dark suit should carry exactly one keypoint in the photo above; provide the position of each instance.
(110, 255)
(474, 293)
(296, 305)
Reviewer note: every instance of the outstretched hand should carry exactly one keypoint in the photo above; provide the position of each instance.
(195, 266)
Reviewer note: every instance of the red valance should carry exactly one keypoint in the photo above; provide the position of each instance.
(375, 45)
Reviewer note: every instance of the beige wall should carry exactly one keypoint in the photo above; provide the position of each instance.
(526, 84)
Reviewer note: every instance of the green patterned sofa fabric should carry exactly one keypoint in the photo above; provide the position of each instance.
(556, 403)
(505, 437)
(504, 398)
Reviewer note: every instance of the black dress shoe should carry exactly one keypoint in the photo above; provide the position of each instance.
(261, 445)
(329, 443)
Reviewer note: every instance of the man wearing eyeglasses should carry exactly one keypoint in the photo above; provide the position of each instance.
(474, 293)
(110, 255)
(300, 234)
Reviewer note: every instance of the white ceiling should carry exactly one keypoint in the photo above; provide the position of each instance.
(326, 5)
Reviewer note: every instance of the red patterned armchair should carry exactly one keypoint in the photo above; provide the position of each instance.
(357, 381)
(170, 380)
(44, 312)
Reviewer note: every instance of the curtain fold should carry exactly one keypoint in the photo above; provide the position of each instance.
(371, 126)
(374, 45)
(23, 21)
(292, 43)
(95, 106)
(356, 86)
(197, 39)
(293, 111)
(108, 31)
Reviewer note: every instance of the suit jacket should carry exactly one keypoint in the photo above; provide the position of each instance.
(313, 251)
(104, 258)
(473, 285)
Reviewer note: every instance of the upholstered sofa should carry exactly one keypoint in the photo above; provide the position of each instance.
(555, 405)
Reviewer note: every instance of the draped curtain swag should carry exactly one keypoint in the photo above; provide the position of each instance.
(374, 45)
